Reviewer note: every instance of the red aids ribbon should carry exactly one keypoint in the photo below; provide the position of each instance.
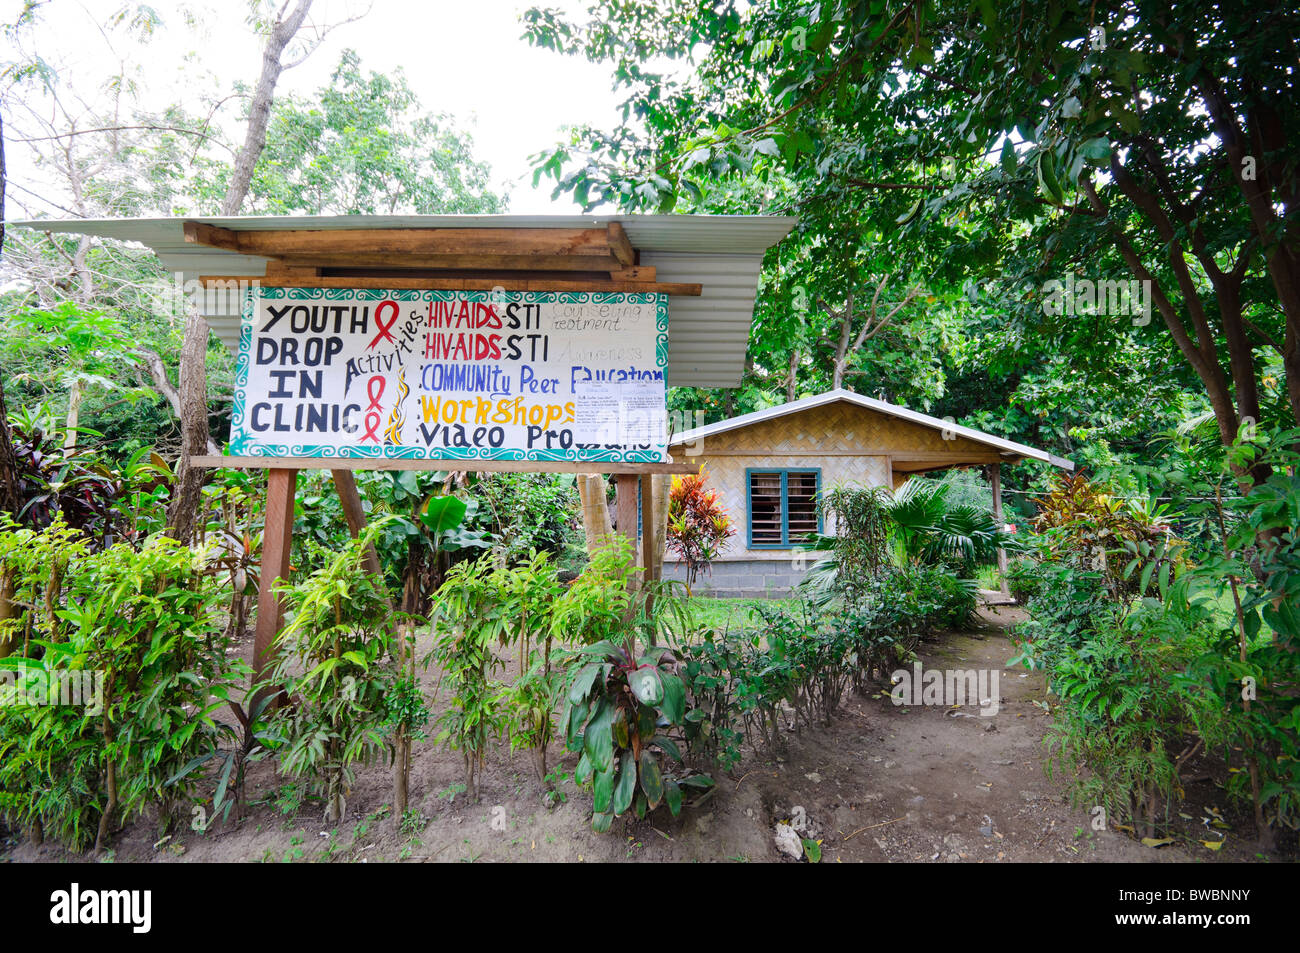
(374, 390)
(385, 330)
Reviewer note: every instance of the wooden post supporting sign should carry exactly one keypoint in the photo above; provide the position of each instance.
(647, 528)
(648, 537)
(277, 543)
(625, 507)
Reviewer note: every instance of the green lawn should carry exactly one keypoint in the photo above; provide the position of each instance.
(723, 614)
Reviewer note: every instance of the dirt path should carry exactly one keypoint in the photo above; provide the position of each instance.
(943, 784)
(881, 783)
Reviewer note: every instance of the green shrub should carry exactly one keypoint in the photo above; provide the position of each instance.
(531, 512)
(528, 591)
(620, 709)
(711, 665)
(1131, 714)
(919, 599)
(1211, 662)
(626, 704)
(739, 688)
(598, 604)
(808, 655)
(1085, 523)
(790, 669)
(335, 661)
(139, 624)
(860, 546)
(468, 617)
(1070, 605)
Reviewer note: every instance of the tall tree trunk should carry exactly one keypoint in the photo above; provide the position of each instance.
(183, 513)
(595, 509)
(259, 113)
(76, 393)
(10, 498)
(1198, 348)
(842, 344)
(1291, 364)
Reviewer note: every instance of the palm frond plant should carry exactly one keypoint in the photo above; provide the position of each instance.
(966, 536)
(914, 512)
(930, 530)
(877, 530)
(821, 583)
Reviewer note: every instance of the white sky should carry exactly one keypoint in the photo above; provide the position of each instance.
(462, 57)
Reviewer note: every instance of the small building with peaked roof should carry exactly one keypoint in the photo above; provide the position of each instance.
(769, 467)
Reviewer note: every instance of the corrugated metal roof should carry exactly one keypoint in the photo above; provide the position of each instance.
(1008, 447)
(707, 336)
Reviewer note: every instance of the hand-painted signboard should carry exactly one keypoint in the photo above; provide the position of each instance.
(452, 375)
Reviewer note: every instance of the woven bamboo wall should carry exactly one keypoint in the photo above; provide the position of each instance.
(810, 439)
(836, 427)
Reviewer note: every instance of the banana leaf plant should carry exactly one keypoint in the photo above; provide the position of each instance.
(620, 708)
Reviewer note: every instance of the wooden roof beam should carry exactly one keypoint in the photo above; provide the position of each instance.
(431, 282)
(482, 466)
(525, 250)
(196, 233)
(424, 262)
(304, 243)
(619, 246)
(433, 274)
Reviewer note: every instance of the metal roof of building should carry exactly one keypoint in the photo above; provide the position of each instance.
(1006, 447)
(707, 335)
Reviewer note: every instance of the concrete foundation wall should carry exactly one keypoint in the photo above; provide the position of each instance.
(745, 578)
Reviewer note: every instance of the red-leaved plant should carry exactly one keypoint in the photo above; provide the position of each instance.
(698, 527)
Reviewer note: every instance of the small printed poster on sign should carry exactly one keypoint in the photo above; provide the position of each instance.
(452, 375)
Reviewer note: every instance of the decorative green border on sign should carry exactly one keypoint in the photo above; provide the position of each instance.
(242, 446)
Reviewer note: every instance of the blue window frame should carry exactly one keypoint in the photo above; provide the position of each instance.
(781, 506)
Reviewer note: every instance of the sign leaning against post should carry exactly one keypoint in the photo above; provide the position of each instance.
(452, 375)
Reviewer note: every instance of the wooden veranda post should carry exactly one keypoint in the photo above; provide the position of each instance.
(995, 480)
(277, 543)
